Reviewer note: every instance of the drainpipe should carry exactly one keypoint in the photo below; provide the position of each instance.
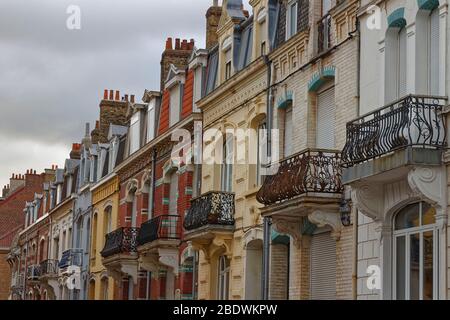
(267, 222)
(152, 195)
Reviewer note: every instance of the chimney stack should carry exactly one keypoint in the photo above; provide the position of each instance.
(16, 181)
(212, 24)
(76, 151)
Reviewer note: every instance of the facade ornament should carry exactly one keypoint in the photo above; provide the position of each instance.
(367, 198)
(169, 258)
(289, 227)
(427, 182)
(327, 218)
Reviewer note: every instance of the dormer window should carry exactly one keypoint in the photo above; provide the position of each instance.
(151, 121)
(291, 27)
(69, 185)
(134, 133)
(227, 54)
(175, 105)
(263, 32)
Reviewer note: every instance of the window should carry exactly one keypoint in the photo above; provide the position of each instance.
(228, 70)
(288, 131)
(415, 253)
(263, 48)
(69, 185)
(291, 28)
(262, 152)
(396, 64)
(151, 122)
(135, 133)
(263, 32)
(198, 77)
(227, 163)
(175, 105)
(56, 249)
(224, 278)
(108, 221)
(173, 194)
(326, 7)
(433, 53)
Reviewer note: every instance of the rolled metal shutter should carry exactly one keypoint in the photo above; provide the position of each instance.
(326, 120)
(323, 267)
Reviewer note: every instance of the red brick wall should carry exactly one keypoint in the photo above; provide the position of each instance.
(188, 96)
(164, 115)
(5, 276)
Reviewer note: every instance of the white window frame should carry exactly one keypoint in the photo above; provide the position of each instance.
(198, 84)
(174, 105)
(407, 233)
(227, 163)
(151, 124)
(135, 130)
(289, 32)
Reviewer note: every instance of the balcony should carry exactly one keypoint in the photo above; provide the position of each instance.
(123, 240)
(308, 172)
(210, 209)
(33, 273)
(406, 132)
(165, 227)
(49, 268)
(159, 240)
(324, 34)
(71, 257)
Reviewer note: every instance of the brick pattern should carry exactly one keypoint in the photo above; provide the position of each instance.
(278, 271)
(164, 114)
(5, 275)
(188, 96)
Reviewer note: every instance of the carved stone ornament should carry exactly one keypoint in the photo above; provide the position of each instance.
(327, 218)
(427, 183)
(289, 227)
(368, 198)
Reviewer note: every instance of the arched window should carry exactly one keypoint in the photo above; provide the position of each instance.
(227, 163)
(224, 278)
(396, 61)
(415, 253)
(107, 227)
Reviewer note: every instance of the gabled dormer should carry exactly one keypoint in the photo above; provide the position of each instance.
(136, 129)
(265, 18)
(197, 72)
(153, 101)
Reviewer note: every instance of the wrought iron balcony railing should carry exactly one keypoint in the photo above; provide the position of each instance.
(49, 267)
(324, 33)
(165, 227)
(71, 257)
(414, 121)
(123, 240)
(33, 272)
(212, 208)
(308, 171)
(17, 280)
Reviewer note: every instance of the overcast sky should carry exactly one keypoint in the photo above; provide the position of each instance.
(52, 78)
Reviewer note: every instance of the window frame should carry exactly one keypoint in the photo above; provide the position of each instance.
(290, 14)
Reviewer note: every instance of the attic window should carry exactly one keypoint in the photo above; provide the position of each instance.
(134, 133)
(291, 27)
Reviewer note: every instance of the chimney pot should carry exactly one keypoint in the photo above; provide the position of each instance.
(184, 45)
(132, 98)
(117, 95)
(111, 94)
(105, 95)
(169, 44)
(177, 44)
(34, 172)
(126, 97)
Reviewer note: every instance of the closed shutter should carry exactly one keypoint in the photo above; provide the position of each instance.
(288, 132)
(402, 63)
(323, 267)
(173, 195)
(326, 120)
(434, 53)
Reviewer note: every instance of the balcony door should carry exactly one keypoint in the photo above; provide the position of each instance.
(325, 138)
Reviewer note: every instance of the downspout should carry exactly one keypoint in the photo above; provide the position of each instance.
(152, 195)
(266, 248)
(354, 210)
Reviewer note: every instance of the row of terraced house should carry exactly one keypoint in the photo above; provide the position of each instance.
(347, 199)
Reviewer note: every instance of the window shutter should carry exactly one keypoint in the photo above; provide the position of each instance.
(173, 195)
(323, 267)
(402, 63)
(288, 132)
(434, 53)
(325, 138)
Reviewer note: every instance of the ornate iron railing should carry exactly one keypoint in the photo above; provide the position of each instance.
(163, 227)
(212, 208)
(33, 272)
(123, 240)
(49, 267)
(324, 33)
(414, 121)
(307, 171)
(71, 257)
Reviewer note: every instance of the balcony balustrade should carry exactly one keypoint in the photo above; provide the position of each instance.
(166, 227)
(71, 257)
(411, 122)
(316, 171)
(33, 272)
(123, 240)
(49, 268)
(212, 208)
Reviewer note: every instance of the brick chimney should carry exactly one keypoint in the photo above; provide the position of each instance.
(75, 153)
(5, 191)
(177, 53)
(212, 24)
(16, 181)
